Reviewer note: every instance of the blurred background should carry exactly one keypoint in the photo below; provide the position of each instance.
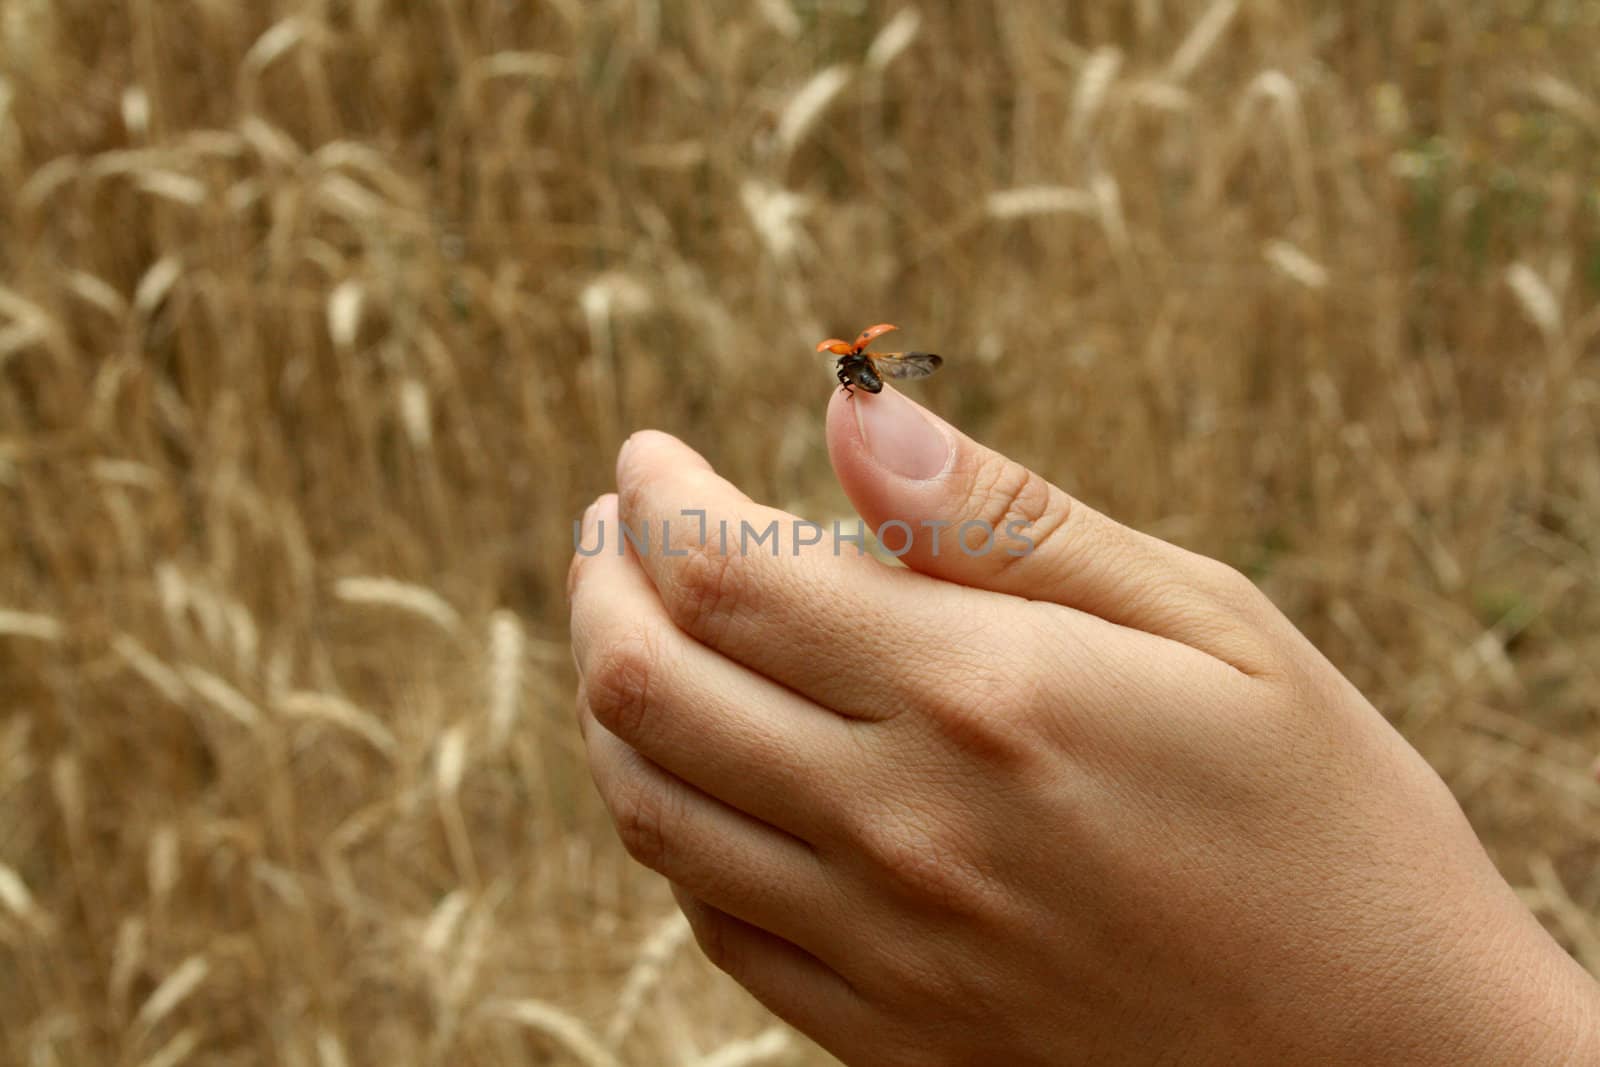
(320, 320)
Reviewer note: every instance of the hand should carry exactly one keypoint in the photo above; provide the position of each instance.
(1094, 803)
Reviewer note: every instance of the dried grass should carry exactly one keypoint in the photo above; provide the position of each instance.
(319, 323)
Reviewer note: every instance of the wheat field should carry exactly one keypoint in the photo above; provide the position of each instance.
(320, 320)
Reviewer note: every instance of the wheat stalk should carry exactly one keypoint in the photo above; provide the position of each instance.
(1040, 200)
(1295, 264)
(222, 696)
(176, 1051)
(897, 35)
(768, 1045)
(173, 990)
(338, 711)
(646, 973)
(406, 597)
(30, 625)
(1538, 301)
(1203, 39)
(564, 1029)
(507, 655)
(808, 104)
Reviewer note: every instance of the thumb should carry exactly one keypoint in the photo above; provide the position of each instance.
(953, 509)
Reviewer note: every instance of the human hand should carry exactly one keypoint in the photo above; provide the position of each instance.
(1095, 803)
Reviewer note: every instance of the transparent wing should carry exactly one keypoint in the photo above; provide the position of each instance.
(906, 364)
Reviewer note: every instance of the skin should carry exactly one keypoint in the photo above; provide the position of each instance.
(1100, 803)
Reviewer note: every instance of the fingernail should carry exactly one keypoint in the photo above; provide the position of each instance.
(900, 437)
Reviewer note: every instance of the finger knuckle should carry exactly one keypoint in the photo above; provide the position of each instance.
(640, 816)
(1230, 585)
(985, 705)
(1237, 616)
(985, 718)
(711, 933)
(710, 589)
(619, 683)
(1012, 500)
(927, 865)
(925, 982)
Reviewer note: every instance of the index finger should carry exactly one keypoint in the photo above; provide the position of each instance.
(780, 596)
